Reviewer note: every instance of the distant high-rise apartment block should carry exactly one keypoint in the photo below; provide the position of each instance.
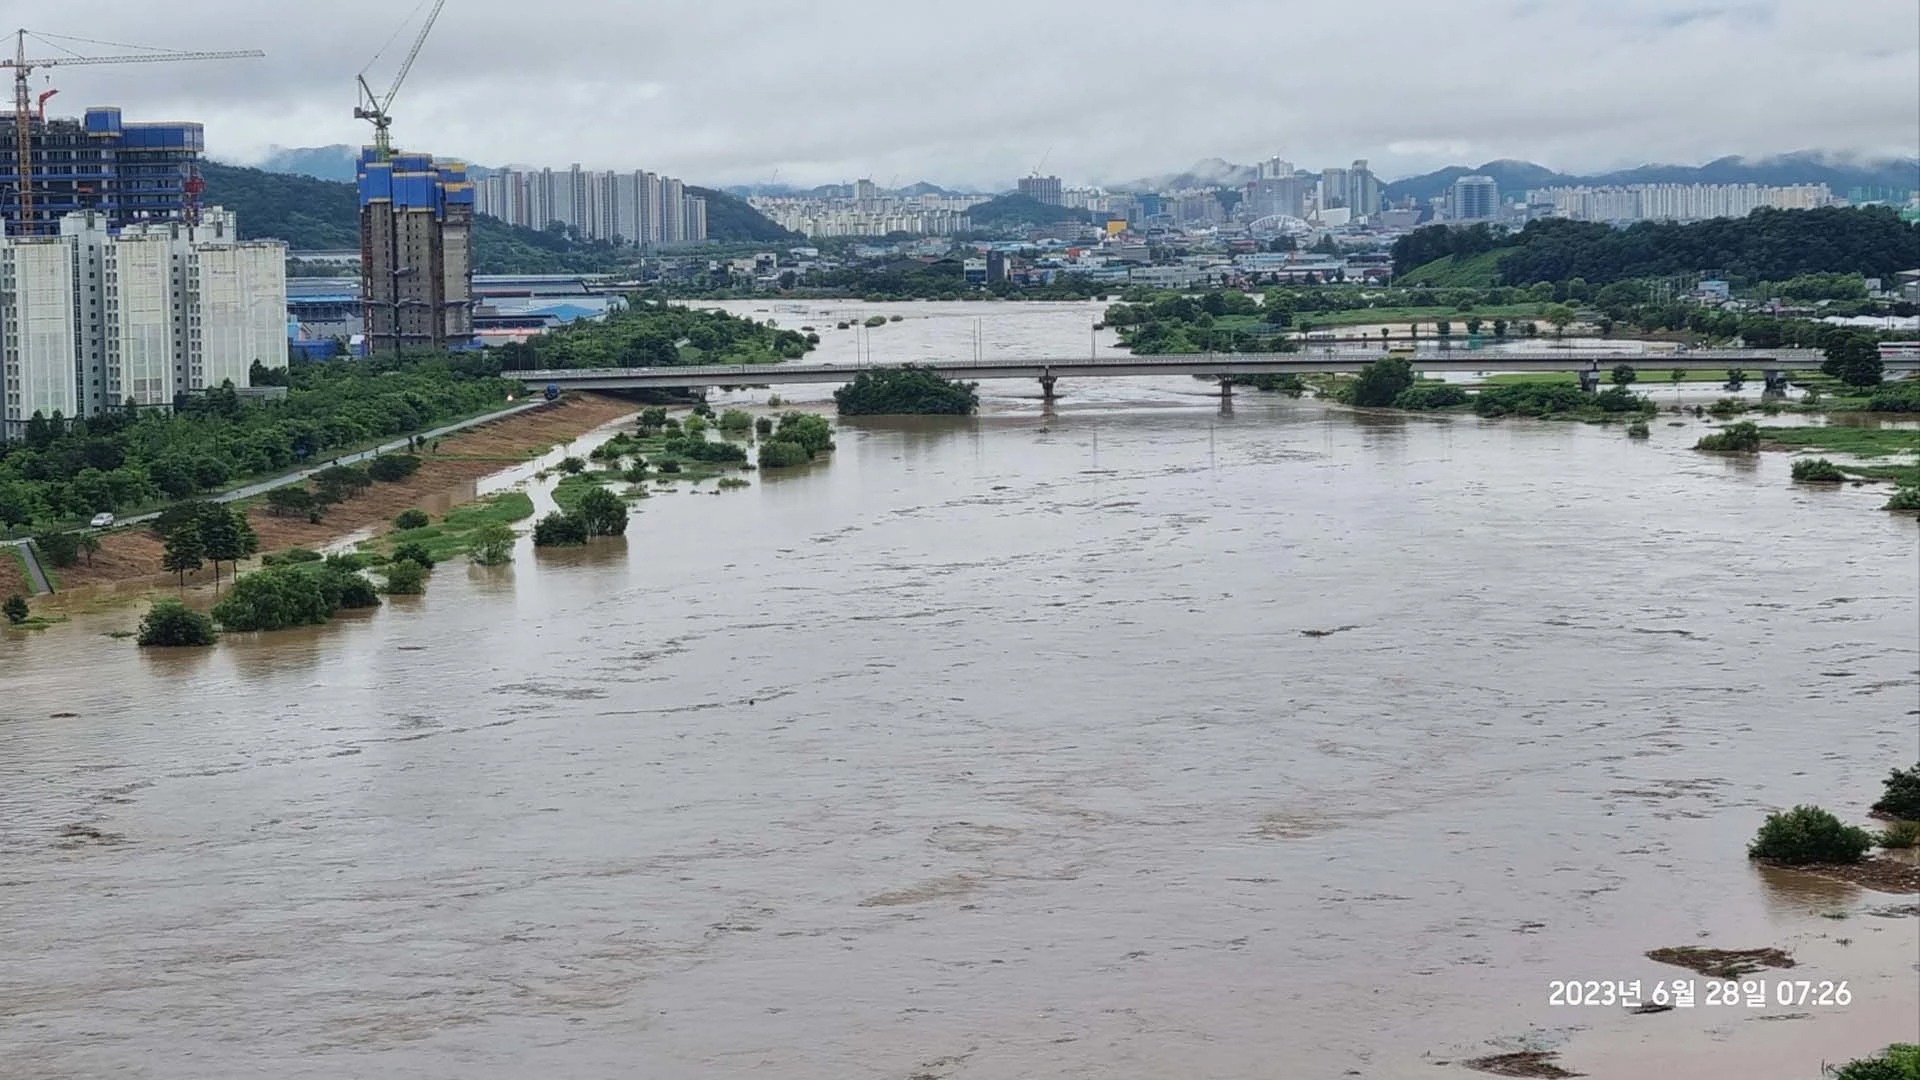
(126, 172)
(416, 251)
(1364, 193)
(1275, 168)
(1475, 198)
(633, 209)
(1676, 202)
(99, 316)
(1333, 188)
(1045, 189)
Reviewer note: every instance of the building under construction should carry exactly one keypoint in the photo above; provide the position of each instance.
(128, 173)
(416, 251)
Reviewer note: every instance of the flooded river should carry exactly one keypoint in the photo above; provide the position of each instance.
(998, 748)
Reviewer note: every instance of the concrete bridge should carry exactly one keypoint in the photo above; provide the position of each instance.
(1592, 366)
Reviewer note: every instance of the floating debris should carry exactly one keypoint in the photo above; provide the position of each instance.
(1521, 1063)
(1722, 963)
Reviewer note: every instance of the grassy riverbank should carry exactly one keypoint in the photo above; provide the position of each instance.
(131, 555)
(452, 535)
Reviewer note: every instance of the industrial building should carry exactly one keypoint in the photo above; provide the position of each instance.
(98, 316)
(127, 172)
(416, 251)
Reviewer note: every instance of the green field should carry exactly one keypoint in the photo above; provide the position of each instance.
(450, 536)
(1650, 376)
(1480, 271)
(1865, 442)
(1486, 313)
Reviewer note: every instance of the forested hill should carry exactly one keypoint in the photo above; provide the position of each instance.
(1767, 245)
(318, 215)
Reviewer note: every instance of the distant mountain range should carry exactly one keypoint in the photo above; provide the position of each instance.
(1838, 172)
(1803, 167)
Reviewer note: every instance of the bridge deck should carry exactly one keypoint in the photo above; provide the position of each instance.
(1331, 361)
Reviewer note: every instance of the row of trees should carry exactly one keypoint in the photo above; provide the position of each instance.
(649, 334)
(903, 391)
(1767, 245)
(70, 468)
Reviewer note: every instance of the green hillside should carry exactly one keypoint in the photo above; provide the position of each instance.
(1480, 271)
(321, 215)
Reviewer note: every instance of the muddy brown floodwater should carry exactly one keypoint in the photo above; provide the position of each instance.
(999, 748)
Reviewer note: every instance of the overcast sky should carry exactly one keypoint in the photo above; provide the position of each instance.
(744, 91)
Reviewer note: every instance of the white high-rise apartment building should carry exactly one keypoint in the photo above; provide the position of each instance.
(94, 318)
(638, 209)
(1677, 202)
(38, 331)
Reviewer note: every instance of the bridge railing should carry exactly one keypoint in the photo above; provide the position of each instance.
(1774, 357)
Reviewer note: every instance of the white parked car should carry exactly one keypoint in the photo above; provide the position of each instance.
(101, 521)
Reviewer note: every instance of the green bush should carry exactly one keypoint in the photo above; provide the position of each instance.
(1727, 407)
(905, 391)
(1817, 471)
(1899, 397)
(668, 466)
(274, 599)
(1906, 498)
(763, 426)
(491, 544)
(16, 609)
(1380, 382)
(699, 449)
(813, 433)
(876, 320)
(1639, 430)
(1901, 1061)
(1441, 396)
(406, 578)
(392, 468)
(351, 590)
(62, 549)
(412, 519)
(1901, 799)
(171, 624)
(1740, 438)
(560, 530)
(1899, 835)
(413, 551)
(604, 512)
(635, 473)
(653, 416)
(290, 557)
(781, 454)
(1808, 834)
(347, 562)
(572, 466)
(736, 420)
(694, 427)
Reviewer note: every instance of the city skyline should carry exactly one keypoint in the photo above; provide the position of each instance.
(804, 102)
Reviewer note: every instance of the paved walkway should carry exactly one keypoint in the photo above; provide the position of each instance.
(38, 577)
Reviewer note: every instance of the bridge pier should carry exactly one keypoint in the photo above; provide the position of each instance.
(1226, 388)
(1589, 379)
(1046, 388)
(1776, 382)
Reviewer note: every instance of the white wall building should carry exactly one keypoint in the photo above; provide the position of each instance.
(95, 317)
(37, 327)
(635, 209)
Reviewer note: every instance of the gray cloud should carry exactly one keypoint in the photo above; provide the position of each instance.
(737, 91)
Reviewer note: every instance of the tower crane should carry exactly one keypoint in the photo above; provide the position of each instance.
(23, 103)
(376, 108)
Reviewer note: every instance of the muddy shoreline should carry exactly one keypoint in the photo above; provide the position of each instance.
(128, 561)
